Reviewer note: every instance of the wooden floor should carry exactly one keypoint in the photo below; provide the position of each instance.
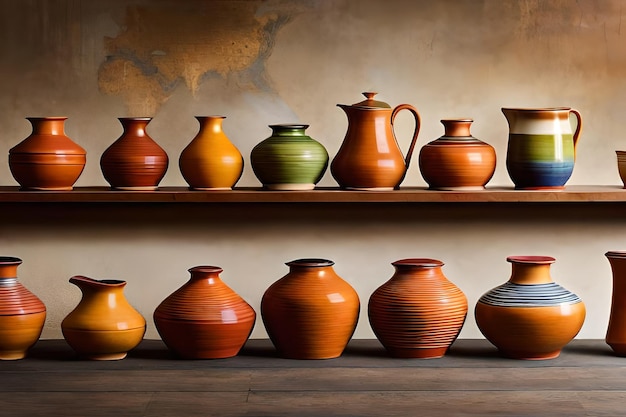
(472, 380)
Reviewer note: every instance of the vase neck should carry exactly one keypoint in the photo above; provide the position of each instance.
(209, 273)
(288, 130)
(8, 266)
(48, 125)
(457, 127)
(90, 285)
(135, 125)
(528, 270)
(211, 123)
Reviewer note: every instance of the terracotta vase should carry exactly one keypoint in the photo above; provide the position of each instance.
(103, 326)
(616, 332)
(22, 314)
(134, 161)
(310, 313)
(530, 317)
(211, 161)
(289, 159)
(369, 157)
(542, 147)
(457, 160)
(47, 159)
(418, 313)
(204, 319)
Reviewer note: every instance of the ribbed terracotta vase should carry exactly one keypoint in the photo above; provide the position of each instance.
(457, 160)
(530, 317)
(418, 313)
(134, 161)
(204, 319)
(103, 326)
(211, 161)
(310, 313)
(22, 314)
(47, 159)
(616, 331)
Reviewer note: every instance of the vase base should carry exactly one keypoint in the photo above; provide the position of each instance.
(12, 355)
(369, 188)
(104, 356)
(531, 356)
(142, 188)
(417, 353)
(289, 187)
(618, 348)
(210, 188)
(70, 188)
(540, 188)
(462, 188)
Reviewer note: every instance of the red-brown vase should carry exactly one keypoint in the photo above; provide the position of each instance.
(134, 161)
(310, 313)
(204, 319)
(47, 159)
(22, 314)
(418, 313)
(530, 317)
(616, 331)
(457, 160)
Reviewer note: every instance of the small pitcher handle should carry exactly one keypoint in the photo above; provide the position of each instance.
(418, 123)
(579, 127)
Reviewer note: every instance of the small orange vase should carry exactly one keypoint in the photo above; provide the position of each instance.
(418, 313)
(134, 161)
(457, 160)
(103, 326)
(616, 331)
(530, 317)
(22, 314)
(204, 319)
(211, 161)
(310, 313)
(47, 159)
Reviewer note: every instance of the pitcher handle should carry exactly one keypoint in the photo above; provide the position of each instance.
(418, 123)
(579, 126)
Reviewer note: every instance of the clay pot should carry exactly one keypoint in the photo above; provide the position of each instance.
(457, 160)
(530, 317)
(204, 319)
(103, 326)
(134, 161)
(47, 159)
(418, 313)
(616, 332)
(310, 313)
(621, 166)
(22, 314)
(211, 161)
(289, 159)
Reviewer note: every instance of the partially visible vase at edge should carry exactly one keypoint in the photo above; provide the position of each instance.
(616, 331)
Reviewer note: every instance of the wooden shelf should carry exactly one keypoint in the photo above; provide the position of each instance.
(571, 194)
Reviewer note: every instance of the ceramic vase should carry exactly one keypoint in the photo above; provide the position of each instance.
(22, 314)
(134, 161)
(418, 313)
(457, 160)
(103, 326)
(530, 316)
(542, 146)
(47, 159)
(211, 161)
(289, 159)
(310, 313)
(616, 332)
(204, 319)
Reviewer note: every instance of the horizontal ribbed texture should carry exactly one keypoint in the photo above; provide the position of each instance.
(16, 299)
(537, 295)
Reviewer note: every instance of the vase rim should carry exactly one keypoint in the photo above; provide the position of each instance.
(52, 118)
(10, 260)
(314, 262)
(289, 126)
(458, 120)
(531, 259)
(206, 269)
(616, 254)
(107, 282)
(138, 119)
(419, 262)
(211, 116)
(537, 109)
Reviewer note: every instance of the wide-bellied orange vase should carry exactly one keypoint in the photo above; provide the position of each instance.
(530, 316)
(457, 160)
(22, 313)
(418, 313)
(211, 161)
(616, 331)
(204, 319)
(47, 159)
(310, 313)
(134, 161)
(103, 326)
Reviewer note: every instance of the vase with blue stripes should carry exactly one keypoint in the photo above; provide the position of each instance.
(530, 316)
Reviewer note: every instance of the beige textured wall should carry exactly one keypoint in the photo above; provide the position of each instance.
(278, 61)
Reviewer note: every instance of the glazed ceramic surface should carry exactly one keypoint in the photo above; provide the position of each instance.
(47, 159)
(457, 160)
(310, 313)
(204, 319)
(616, 331)
(369, 157)
(530, 316)
(103, 326)
(418, 313)
(542, 148)
(211, 161)
(22, 314)
(134, 161)
(289, 159)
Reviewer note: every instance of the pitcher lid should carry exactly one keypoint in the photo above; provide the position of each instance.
(370, 102)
